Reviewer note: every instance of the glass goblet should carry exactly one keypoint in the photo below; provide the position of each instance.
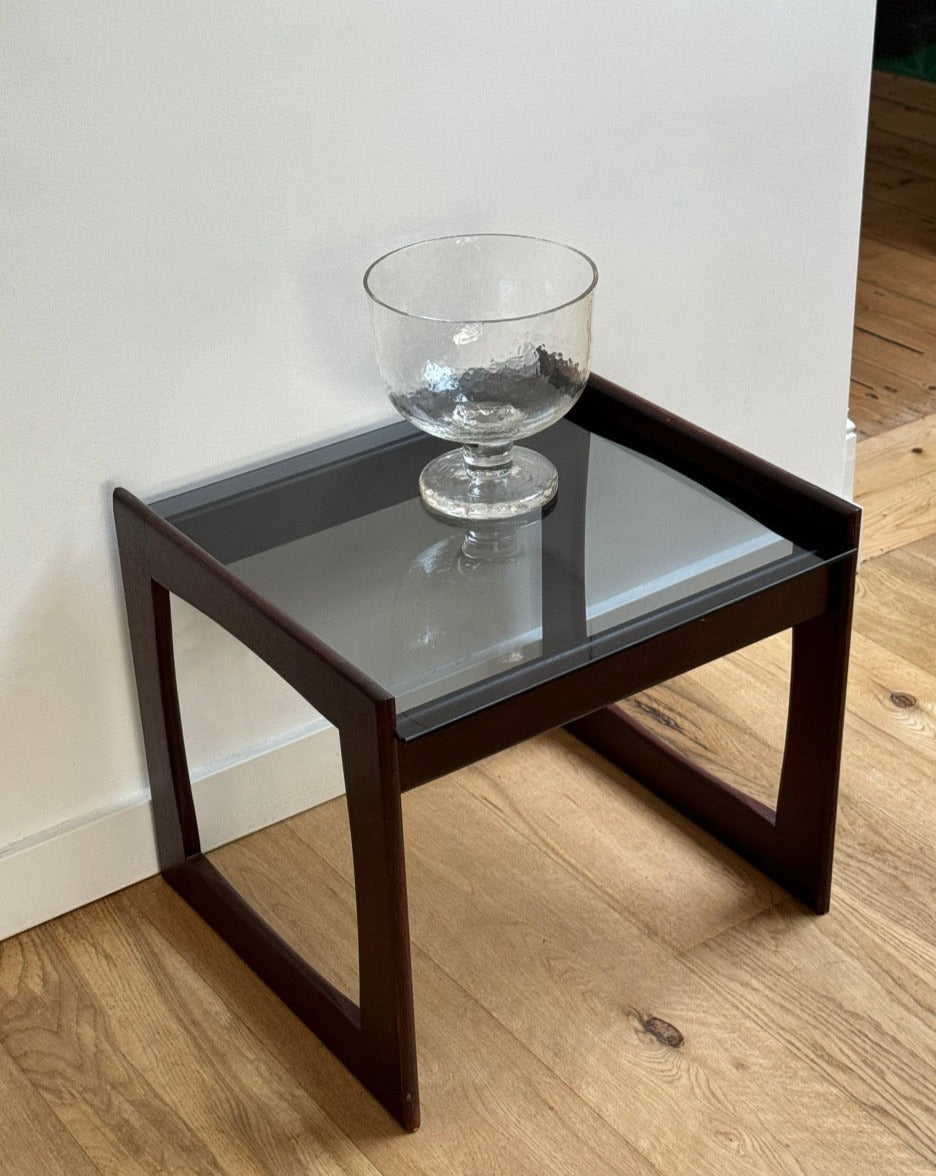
(483, 340)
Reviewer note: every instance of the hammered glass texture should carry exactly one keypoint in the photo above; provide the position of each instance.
(483, 340)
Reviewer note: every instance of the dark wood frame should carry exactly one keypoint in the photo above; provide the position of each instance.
(794, 844)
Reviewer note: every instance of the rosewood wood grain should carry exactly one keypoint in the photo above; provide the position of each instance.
(150, 625)
(792, 507)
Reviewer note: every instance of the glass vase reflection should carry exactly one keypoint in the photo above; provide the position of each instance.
(483, 340)
(479, 593)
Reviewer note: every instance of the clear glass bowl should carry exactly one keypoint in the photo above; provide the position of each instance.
(483, 340)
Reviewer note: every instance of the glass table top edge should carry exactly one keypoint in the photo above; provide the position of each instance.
(233, 495)
(423, 719)
(213, 493)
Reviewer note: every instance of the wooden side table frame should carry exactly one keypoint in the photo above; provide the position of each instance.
(793, 845)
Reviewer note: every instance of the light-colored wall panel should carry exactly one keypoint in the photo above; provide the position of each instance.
(190, 195)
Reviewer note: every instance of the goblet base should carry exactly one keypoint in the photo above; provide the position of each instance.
(459, 486)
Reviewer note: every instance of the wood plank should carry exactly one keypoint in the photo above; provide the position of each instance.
(887, 814)
(896, 457)
(870, 414)
(907, 273)
(898, 118)
(904, 228)
(887, 818)
(864, 428)
(882, 399)
(895, 697)
(915, 366)
(597, 999)
(730, 715)
(899, 151)
(32, 1139)
(910, 92)
(898, 515)
(268, 1121)
(63, 1042)
(886, 821)
(324, 932)
(879, 399)
(905, 321)
(623, 841)
(896, 185)
(488, 1104)
(854, 993)
(896, 602)
(886, 829)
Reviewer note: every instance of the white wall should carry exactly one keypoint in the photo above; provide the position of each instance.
(190, 194)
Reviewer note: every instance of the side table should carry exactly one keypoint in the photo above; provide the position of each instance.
(428, 649)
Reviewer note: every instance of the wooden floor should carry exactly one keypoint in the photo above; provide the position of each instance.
(600, 988)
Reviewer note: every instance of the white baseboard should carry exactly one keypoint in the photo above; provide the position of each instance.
(851, 454)
(85, 859)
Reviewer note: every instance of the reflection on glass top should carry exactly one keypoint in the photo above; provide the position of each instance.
(447, 620)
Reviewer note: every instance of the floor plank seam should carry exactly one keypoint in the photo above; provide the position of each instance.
(877, 235)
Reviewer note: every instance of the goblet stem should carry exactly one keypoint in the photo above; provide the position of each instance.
(485, 461)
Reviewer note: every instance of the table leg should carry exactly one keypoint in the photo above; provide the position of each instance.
(376, 1041)
(375, 817)
(149, 620)
(808, 796)
(794, 844)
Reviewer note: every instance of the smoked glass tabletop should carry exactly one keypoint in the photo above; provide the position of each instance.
(449, 621)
